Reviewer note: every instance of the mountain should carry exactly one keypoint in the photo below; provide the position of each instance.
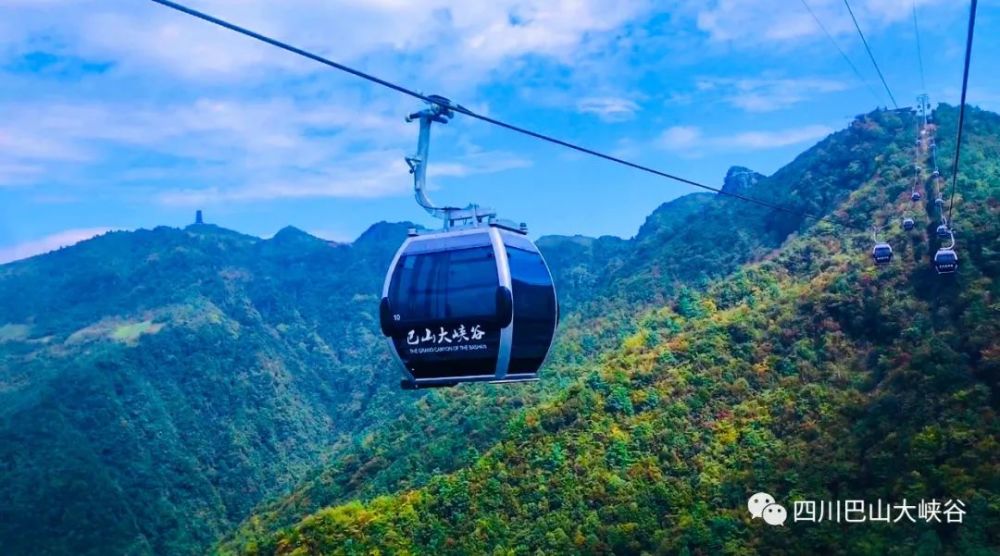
(741, 181)
(160, 387)
(155, 385)
(806, 372)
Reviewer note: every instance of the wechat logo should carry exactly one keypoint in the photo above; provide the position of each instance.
(762, 505)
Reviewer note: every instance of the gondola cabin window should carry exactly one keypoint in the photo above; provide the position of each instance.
(534, 309)
(445, 285)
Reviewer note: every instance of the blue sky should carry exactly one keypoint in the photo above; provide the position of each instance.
(120, 114)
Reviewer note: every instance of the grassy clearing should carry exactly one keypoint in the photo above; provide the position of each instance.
(131, 331)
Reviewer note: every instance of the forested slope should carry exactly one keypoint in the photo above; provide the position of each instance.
(155, 385)
(603, 284)
(810, 375)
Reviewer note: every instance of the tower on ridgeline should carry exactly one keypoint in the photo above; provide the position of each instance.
(197, 217)
(924, 105)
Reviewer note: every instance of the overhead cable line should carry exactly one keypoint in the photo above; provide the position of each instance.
(961, 109)
(920, 55)
(870, 55)
(431, 99)
(841, 51)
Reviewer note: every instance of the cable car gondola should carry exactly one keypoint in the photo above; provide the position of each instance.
(915, 196)
(943, 231)
(946, 260)
(908, 224)
(882, 253)
(473, 302)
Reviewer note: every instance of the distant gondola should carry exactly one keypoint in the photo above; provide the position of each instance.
(946, 261)
(882, 253)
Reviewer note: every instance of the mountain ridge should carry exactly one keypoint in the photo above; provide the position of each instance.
(609, 321)
(245, 379)
(810, 374)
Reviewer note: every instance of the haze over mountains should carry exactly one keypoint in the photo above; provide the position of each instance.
(165, 389)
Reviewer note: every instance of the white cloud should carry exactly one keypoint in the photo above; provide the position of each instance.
(248, 150)
(359, 181)
(773, 139)
(627, 148)
(680, 138)
(479, 162)
(984, 97)
(757, 22)
(246, 121)
(766, 94)
(48, 243)
(16, 143)
(608, 109)
(18, 173)
(366, 175)
(731, 20)
(689, 140)
(58, 130)
(449, 37)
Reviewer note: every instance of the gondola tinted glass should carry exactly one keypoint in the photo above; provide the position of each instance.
(443, 301)
(443, 285)
(534, 305)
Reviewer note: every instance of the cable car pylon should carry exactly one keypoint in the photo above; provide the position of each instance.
(923, 104)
